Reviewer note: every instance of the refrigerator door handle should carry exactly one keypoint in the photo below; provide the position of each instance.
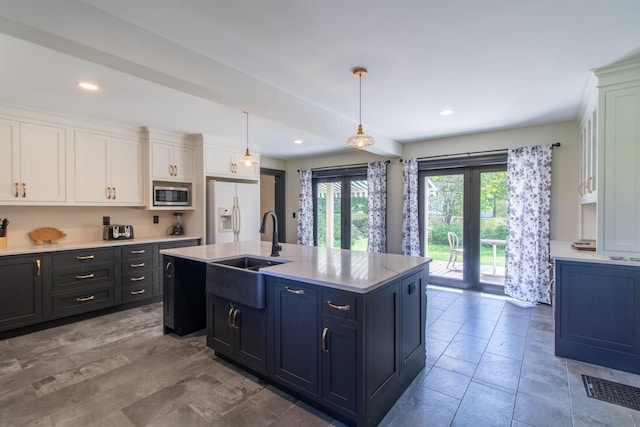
(236, 219)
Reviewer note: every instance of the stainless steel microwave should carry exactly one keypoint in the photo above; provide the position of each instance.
(171, 196)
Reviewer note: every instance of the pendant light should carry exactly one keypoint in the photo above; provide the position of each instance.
(360, 139)
(248, 159)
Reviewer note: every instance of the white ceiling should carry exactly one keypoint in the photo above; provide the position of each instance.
(193, 66)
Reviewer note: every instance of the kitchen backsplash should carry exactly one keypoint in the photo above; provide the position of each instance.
(80, 224)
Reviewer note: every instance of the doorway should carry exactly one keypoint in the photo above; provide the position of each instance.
(272, 198)
(463, 212)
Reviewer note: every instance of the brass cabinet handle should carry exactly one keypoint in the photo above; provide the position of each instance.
(294, 291)
(141, 291)
(325, 349)
(235, 317)
(580, 191)
(171, 170)
(176, 167)
(114, 192)
(85, 257)
(138, 251)
(17, 190)
(108, 193)
(166, 269)
(86, 276)
(136, 279)
(346, 307)
(85, 299)
(137, 265)
(229, 321)
(588, 185)
(37, 267)
(24, 190)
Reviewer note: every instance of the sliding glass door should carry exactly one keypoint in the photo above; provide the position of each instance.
(463, 223)
(341, 212)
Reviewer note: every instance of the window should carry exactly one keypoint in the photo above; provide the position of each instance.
(341, 208)
(463, 220)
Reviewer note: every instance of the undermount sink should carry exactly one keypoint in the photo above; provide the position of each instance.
(239, 279)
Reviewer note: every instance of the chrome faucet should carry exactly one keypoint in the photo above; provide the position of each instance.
(275, 247)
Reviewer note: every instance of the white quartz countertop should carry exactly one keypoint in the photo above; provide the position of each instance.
(561, 250)
(66, 246)
(353, 271)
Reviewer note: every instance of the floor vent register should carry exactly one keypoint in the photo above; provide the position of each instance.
(612, 392)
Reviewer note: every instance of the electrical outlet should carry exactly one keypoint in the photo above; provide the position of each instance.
(106, 220)
(156, 219)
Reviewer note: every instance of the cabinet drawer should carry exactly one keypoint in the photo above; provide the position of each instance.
(67, 303)
(137, 291)
(70, 277)
(136, 251)
(137, 265)
(83, 257)
(137, 278)
(338, 304)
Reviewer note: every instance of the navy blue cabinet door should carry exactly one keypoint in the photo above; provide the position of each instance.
(598, 314)
(339, 363)
(296, 335)
(219, 325)
(251, 337)
(20, 291)
(413, 307)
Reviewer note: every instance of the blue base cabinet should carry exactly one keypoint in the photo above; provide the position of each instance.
(597, 313)
(349, 354)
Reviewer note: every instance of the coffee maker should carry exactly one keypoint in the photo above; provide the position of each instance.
(177, 229)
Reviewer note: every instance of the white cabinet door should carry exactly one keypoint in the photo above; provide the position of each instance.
(171, 162)
(108, 170)
(91, 180)
(42, 163)
(227, 163)
(9, 159)
(126, 171)
(619, 206)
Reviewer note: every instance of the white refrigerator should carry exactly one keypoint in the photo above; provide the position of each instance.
(233, 212)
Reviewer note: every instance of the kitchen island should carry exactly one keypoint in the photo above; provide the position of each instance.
(342, 330)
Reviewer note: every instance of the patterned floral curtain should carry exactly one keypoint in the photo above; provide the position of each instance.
(529, 205)
(377, 194)
(410, 227)
(305, 209)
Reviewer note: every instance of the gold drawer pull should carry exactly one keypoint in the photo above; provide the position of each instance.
(85, 257)
(137, 265)
(140, 292)
(86, 276)
(137, 279)
(346, 307)
(38, 267)
(17, 189)
(91, 298)
(294, 291)
(138, 251)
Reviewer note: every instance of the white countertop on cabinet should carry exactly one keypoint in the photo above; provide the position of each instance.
(353, 271)
(68, 246)
(561, 250)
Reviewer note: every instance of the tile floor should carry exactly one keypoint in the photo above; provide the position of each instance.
(489, 363)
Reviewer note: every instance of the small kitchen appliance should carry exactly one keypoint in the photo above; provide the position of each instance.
(177, 229)
(117, 232)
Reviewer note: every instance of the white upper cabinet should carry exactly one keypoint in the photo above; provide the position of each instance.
(171, 162)
(33, 163)
(619, 151)
(587, 187)
(108, 170)
(227, 163)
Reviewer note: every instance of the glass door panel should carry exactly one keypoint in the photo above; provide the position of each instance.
(493, 226)
(443, 224)
(359, 215)
(328, 224)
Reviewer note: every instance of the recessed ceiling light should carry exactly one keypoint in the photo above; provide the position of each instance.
(88, 86)
(297, 141)
(446, 112)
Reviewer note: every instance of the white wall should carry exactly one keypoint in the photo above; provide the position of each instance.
(83, 223)
(564, 198)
